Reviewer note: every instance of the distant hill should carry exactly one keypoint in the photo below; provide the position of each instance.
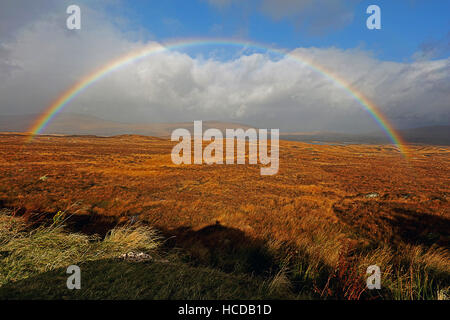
(15, 123)
(438, 135)
(435, 135)
(75, 124)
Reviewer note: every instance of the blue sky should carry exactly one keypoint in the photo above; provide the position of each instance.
(408, 26)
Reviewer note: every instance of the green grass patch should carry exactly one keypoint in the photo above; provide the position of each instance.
(33, 265)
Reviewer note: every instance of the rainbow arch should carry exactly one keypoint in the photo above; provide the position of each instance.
(64, 99)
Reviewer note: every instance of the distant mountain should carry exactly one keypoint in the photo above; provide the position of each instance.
(11, 123)
(438, 135)
(335, 137)
(75, 124)
(435, 135)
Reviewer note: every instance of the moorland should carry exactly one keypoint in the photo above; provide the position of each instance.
(222, 231)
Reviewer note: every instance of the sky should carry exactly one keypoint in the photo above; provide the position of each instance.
(403, 67)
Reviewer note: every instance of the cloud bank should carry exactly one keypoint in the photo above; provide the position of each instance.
(41, 59)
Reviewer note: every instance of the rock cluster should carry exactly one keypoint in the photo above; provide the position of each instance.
(136, 256)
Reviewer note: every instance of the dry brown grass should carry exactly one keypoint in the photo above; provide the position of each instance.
(311, 210)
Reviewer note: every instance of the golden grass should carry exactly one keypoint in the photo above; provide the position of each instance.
(35, 251)
(311, 211)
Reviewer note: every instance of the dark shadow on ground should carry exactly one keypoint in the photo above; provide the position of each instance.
(421, 228)
(225, 248)
(393, 223)
(117, 279)
(216, 257)
(217, 246)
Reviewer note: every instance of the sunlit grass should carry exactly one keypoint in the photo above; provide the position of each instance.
(316, 229)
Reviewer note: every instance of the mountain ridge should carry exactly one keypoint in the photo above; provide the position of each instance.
(77, 124)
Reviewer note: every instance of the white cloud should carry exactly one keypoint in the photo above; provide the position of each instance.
(43, 59)
(433, 48)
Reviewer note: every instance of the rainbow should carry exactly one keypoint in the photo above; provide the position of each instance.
(65, 98)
